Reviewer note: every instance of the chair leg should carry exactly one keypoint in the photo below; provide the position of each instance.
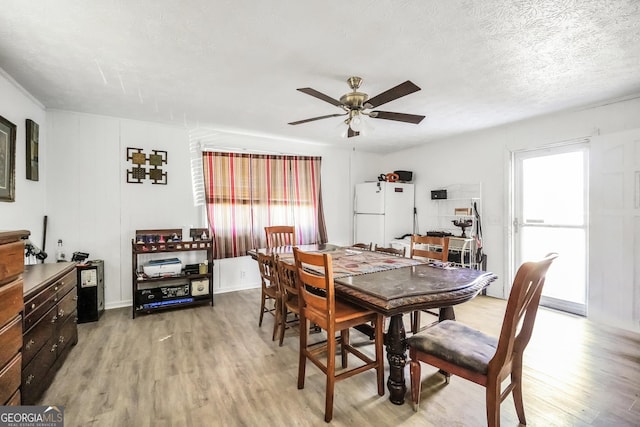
(283, 323)
(344, 341)
(493, 404)
(516, 380)
(446, 375)
(262, 304)
(414, 372)
(379, 337)
(276, 323)
(302, 359)
(331, 374)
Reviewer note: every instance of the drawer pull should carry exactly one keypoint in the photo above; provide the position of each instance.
(61, 339)
(75, 298)
(61, 313)
(55, 299)
(53, 319)
(53, 347)
(33, 305)
(56, 288)
(29, 344)
(29, 379)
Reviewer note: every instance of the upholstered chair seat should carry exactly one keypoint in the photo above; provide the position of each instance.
(458, 344)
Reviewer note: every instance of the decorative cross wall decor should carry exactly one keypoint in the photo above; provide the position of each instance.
(139, 171)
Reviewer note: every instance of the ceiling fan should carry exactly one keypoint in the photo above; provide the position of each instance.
(356, 103)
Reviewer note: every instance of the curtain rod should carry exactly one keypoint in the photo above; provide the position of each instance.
(206, 147)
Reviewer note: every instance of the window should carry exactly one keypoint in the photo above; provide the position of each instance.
(246, 192)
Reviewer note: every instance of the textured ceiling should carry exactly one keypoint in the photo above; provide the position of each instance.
(235, 65)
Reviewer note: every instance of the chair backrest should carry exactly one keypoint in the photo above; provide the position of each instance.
(431, 251)
(280, 235)
(287, 278)
(268, 270)
(316, 293)
(520, 314)
(366, 247)
(392, 251)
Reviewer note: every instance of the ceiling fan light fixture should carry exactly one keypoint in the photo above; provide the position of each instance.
(355, 122)
(355, 104)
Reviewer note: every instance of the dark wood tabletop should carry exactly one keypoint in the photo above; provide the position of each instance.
(416, 287)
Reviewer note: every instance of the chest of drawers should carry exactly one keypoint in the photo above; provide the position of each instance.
(50, 324)
(11, 306)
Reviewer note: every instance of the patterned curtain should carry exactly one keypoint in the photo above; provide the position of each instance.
(247, 192)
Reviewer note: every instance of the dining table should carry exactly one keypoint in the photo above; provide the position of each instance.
(393, 286)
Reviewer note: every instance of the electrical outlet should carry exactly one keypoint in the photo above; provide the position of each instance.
(243, 274)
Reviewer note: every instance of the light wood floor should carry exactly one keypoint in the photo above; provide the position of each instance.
(209, 366)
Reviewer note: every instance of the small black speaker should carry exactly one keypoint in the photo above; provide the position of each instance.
(404, 176)
(438, 194)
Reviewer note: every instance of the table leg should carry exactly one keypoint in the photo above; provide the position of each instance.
(447, 313)
(397, 357)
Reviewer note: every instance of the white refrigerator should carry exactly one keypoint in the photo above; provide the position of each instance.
(383, 211)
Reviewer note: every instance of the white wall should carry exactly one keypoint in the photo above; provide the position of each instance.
(28, 210)
(91, 206)
(93, 209)
(483, 157)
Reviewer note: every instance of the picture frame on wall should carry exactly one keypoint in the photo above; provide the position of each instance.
(7, 160)
(33, 137)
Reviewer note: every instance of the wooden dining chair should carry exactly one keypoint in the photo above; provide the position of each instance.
(280, 235)
(457, 349)
(364, 246)
(318, 304)
(288, 285)
(270, 292)
(434, 248)
(390, 250)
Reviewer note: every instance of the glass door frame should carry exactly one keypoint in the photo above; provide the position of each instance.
(516, 223)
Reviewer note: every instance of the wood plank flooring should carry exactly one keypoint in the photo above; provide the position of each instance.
(213, 366)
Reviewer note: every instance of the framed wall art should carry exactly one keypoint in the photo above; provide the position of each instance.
(139, 171)
(7, 160)
(33, 131)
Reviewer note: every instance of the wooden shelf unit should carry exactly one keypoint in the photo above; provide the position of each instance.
(147, 243)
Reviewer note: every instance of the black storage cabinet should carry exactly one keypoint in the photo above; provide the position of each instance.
(90, 290)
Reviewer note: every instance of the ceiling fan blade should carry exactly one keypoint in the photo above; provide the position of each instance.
(399, 117)
(399, 91)
(320, 95)
(351, 132)
(317, 118)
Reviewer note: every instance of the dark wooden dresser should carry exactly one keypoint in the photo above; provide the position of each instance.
(11, 306)
(50, 324)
